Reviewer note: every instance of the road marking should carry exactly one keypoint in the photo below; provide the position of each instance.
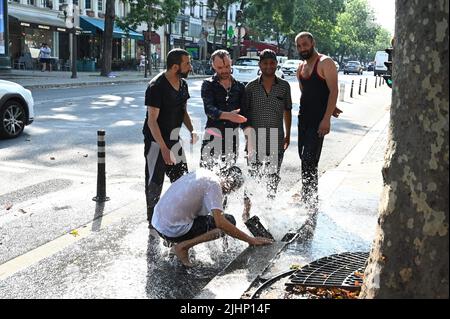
(36, 255)
(11, 165)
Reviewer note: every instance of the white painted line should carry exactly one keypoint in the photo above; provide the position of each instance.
(36, 255)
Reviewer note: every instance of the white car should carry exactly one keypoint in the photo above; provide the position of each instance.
(290, 66)
(16, 109)
(247, 69)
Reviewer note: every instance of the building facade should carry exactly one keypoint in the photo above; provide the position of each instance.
(33, 22)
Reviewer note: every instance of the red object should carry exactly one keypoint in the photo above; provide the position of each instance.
(249, 44)
(155, 38)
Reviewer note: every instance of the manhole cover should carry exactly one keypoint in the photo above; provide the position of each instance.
(338, 271)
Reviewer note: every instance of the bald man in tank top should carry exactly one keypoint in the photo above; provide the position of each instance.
(318, 80)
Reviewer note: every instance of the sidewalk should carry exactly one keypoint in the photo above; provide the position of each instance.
(349, 197)
(34, 79)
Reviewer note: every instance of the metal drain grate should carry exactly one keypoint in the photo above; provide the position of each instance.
(340, 271)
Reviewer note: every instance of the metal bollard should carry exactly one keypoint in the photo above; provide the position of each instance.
(101, 176)
(383, 81)
(365, 87)
(379, 84)
(351, 90)
(360, 84)
(341, 92)
(376, 80)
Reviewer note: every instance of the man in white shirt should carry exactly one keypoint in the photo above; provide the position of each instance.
(190, 212)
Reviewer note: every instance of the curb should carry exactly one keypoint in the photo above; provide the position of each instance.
(97, 83)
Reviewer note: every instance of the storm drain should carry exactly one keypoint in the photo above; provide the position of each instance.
(343, 270)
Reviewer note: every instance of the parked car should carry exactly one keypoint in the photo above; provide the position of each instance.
(337, 65)
(380, 68)
(16, 109)
(353, 67)
(290, 66)
(247, 68)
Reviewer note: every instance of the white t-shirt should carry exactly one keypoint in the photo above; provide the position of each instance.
(192, 195)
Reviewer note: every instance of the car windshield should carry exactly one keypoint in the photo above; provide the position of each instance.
(353, 63)
(247, 62)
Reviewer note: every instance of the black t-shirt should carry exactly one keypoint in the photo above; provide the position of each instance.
(171, 104)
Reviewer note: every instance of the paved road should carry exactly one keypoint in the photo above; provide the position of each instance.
(48, 176)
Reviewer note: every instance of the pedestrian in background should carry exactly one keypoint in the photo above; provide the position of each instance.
(318, 80)
(45, 57)
(166, 100)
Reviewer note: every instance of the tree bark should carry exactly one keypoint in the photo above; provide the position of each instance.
(108, 38)
(410, 255)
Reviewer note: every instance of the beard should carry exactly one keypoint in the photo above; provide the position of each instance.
(182, 75)
(307, 54)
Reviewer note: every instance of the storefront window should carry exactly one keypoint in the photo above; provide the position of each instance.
(34, 39)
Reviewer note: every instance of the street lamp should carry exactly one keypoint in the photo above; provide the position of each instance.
(71, 15)
(239, 18)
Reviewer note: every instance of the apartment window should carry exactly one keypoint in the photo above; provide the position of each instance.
(48, 4)
(87, 4)
(75, 2)
(100, 5)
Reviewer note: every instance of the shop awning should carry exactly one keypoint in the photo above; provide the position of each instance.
(29, 18)
(94, 24)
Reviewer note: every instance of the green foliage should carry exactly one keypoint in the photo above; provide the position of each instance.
(154, 13)
(342, 28)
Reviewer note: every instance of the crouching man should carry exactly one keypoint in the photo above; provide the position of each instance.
(190, 212)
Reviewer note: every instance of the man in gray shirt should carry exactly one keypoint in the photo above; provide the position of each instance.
(190, 212)
(269, 105)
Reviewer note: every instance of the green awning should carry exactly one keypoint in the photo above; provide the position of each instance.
(94, 24)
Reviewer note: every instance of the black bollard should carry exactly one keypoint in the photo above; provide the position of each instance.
(379, 84)
(365, 87)
(101, 176)
(351, 90)
(376, 80)
(360, 84)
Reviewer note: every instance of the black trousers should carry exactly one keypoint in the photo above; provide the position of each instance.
(309, 150)
(156, 168)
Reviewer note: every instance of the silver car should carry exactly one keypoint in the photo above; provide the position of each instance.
(16, 109)
(353, 67)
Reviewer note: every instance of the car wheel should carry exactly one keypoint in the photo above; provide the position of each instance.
(12, 119)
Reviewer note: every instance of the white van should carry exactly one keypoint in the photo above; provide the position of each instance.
(379, 67)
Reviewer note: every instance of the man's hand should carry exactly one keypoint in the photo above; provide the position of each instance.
(168, 156)
(337, 111)
(234, 117)
(194, 137)
(260, 241)
(324, 127)
(287, 141)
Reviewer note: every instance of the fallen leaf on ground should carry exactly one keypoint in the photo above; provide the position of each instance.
(23, 211)
(52, 158)
(8, 206)
(74, 233)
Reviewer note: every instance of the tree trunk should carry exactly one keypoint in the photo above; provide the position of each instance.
(410, 255)
(108, 38)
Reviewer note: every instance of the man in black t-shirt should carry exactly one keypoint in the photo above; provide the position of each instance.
(166, 98)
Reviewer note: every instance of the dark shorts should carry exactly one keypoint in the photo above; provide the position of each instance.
(45, 60)
(201, 225)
